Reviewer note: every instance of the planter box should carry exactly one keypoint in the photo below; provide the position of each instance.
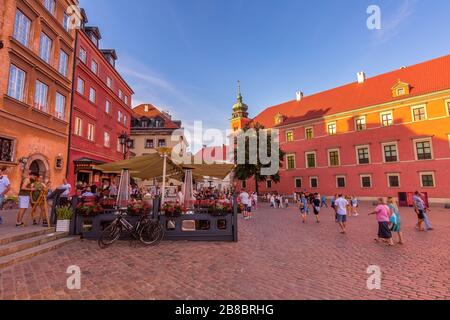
(63, 226)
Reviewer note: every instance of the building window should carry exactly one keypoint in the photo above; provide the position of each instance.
(94, 67)
(50, 6)
(333, 158)
(309, 133)
(92, 95)
(332, 128)
(80, 86)
(310, 160)
(298, 183)
(390, 153)
(131, 143)
(423, 149)
(109, 82)
(366, 181)
(119, 116)
(269, 184)
(448, 107)
(244, 184)
(63, 61)
(340, 182)
(41, 96)
(314, 182)
(120, 147)
(419, 113)
(78, 129)
(363, 154)
(6, 150)
(22, 28)
(290, 162)
(66, 22)
(126, 100)
(45, 47)
(16, 83)
(360, 123)
(387, 119)
(107, 107)
(60, 106)
(107, 140)
(289, 136)
(91, 132)
(120, 94)
(149, 144)
(161, 143)
(427, 179)
(83, 55)
(393, 180)
(125, 120)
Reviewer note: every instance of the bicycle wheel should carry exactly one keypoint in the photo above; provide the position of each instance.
(110, 235)
(151, 233)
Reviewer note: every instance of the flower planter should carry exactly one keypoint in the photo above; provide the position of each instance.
(63, 226)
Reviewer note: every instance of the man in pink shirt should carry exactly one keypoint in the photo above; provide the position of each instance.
(383, 214)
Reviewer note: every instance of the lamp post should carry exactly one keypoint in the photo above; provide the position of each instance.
(126, 143)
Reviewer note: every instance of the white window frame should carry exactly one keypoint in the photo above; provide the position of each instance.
(361, 176)
(357, 154)
(384, 155)
(16, 82)
(287, 161)
(45, 47)
(340, 177)
(335, 128)
(109, 82)
(388, 175)
(80, 89)
(295, 183)
(60, 114)
(66, 22)
(83, 55)
(41, 96)
(50, 5)
(391, 113)
(287, 134)
(356, 123)
(22, 28)
(63, 63)
(78, 127)
(424, 106)
(310, 182)
(119, 116)
(91, 132)
(126, 100)
(415, 141)
(108, 107)
(107, 139)
(306, 159)
(312, 133)
(120, 94)
(339, 157)
(125, 120)
(94, 66)
(92, 95)
(427, 173)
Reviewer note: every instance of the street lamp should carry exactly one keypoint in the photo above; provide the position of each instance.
(126, 143)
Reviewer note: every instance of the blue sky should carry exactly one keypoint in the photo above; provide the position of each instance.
(185, 56)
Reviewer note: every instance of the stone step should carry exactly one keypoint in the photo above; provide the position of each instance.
(27, 243)
(17, 257)
(24, 234)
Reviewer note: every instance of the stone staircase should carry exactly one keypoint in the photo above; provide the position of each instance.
(25, 244)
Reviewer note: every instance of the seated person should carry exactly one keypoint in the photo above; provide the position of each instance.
(87, 193)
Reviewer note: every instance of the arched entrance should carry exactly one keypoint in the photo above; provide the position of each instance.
(39, 164)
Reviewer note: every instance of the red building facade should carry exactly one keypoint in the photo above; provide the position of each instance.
(101, 109)
(381, 136)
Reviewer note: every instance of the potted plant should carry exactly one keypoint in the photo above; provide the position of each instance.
(64, 215)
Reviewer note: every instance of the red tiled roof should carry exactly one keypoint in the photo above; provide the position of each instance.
(426, 77)
(139, 112)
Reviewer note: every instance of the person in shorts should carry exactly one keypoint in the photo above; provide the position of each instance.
(316, 205)
(419, 209)
(246, 202)
(341, 212)
(303, 206)
(26, 187)
(382, 212)
(5, 186)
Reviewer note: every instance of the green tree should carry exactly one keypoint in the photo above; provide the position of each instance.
(247, 170)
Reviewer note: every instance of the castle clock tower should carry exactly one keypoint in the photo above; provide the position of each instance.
(239, 118)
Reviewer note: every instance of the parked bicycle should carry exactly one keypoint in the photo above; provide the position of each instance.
(147, 231)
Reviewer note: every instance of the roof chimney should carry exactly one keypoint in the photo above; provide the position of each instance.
(299, 96)
(146, 108)
(361, 77)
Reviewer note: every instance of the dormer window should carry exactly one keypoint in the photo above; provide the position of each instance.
(94, 39)
(279, 118)
(400, 89)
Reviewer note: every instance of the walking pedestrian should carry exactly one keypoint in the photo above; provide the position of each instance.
(323, 201)
(354, 204)
(26, 187)
(382, 215)
(303, 205)
(316, 206)
(5, 186)
(245, 200)
(341, 213)
(395, 219)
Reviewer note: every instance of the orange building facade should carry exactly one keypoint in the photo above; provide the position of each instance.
(36, 63)
(382, 136)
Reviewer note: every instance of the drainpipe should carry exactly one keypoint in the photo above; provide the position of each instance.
(69, 142)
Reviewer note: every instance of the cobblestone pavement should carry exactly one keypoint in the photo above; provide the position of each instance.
(277, 257)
